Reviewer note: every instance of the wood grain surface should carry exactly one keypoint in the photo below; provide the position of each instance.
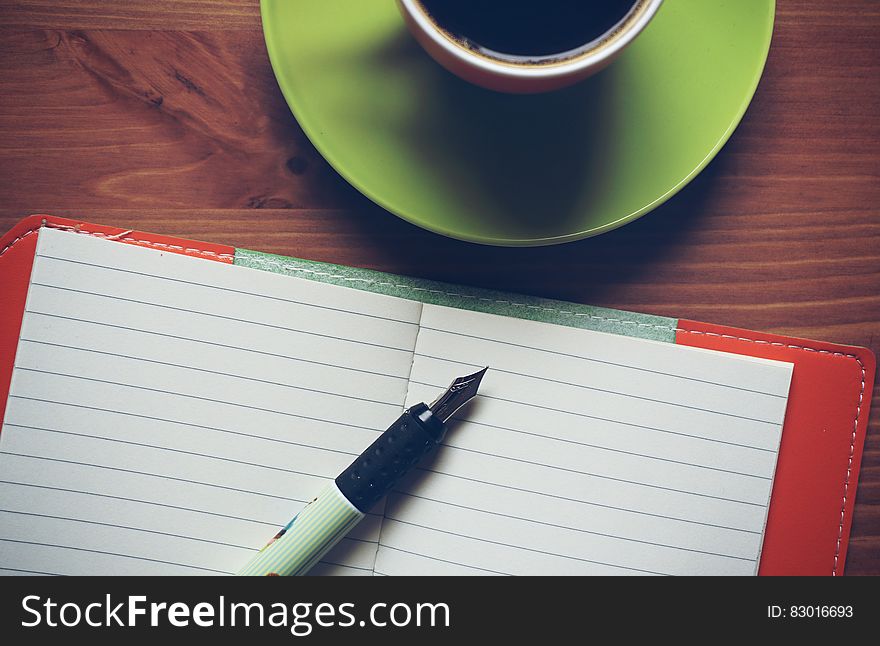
(164, 115)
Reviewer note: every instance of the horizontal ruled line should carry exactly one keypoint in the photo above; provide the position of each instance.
(207, 456)
(134, 500)
(465, 420)
(161, 448)
(186, 395)
(577, 529)
(602, 419)
(594, 360)
(182, 423)
(569, 412)
(396, 405)
(613, 450)
(153, 475)
(125, 556)
(606, 477)
(383, 546)
(128, 528)
(360, 540)
(226, 289)
(15, 569)
(599, 390)
(346, 565)
(222, 317)
(528, 549)
(215, 344)
(145, 502)
(588, 502)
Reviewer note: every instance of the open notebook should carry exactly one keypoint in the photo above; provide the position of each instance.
(167, 414)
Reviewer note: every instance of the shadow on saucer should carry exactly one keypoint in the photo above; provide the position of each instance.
(520, 155)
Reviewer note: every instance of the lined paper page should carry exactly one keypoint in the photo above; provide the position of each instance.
(587, 453)
(168, 414)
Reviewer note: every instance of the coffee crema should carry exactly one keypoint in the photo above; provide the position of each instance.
(530, 31)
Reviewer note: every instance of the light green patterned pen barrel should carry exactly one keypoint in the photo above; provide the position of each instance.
(305, 539)
(373, 474)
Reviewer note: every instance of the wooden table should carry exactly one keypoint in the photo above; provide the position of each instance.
(164, 115)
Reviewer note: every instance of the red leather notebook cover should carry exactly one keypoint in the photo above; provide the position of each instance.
(822, 440)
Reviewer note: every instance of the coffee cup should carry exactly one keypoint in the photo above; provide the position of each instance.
(526, 46)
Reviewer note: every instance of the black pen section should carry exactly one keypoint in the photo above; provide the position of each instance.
(377, 470)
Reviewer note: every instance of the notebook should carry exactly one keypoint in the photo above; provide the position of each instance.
(170, 404)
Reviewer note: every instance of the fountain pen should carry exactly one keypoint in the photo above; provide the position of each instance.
(342, 504)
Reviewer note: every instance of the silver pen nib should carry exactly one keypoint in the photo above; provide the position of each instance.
(460, 392)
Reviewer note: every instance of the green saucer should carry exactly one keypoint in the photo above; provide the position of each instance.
(516, 170)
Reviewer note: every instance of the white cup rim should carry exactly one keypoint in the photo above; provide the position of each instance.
(548, 71)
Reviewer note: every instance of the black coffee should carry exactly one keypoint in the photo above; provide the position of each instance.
(519, 30)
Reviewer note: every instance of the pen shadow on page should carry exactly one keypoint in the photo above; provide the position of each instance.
(416, 485)
(407, 492)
